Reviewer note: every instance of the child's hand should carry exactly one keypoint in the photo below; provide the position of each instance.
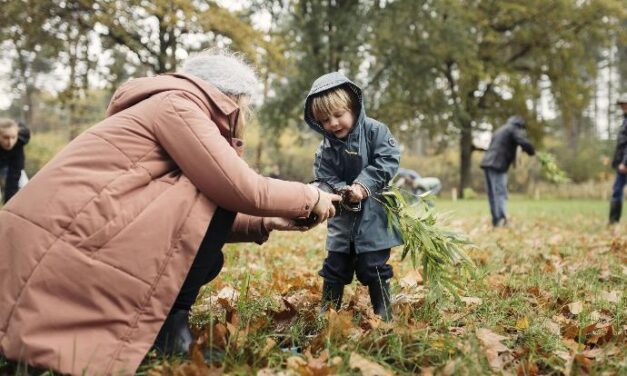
(356, 193)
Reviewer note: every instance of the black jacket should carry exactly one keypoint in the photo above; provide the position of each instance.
(620, 156)
(502, 150)
(14, 161)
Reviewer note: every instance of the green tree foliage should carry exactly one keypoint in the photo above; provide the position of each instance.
(467, 63)
(155, 33)
(30, 43)
(320, 36)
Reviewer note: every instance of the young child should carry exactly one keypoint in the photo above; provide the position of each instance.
(359, 155)
(12, 141)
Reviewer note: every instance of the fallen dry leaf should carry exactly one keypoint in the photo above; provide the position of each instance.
(492, 346)
(551, 326)
(575, 308)
(411, 279)
(469, 300)
(522, 323)
(367, 367)
(611, 297)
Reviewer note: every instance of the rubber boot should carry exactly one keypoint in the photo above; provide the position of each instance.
(616, 208)
(380, 299)
(174, 338)
(331, 296)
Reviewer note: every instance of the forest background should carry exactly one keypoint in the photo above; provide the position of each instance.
(443, 74)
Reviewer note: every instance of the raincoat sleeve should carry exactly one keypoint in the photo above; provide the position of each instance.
(247, 228)
(386, 156)
(325, 171)
(204, 156)
(522, 140)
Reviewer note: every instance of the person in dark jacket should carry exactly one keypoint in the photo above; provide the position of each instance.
(496, 161)
(619, 162)
(13, 138)
(359, 156)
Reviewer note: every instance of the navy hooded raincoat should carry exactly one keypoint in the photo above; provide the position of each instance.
(369, 155)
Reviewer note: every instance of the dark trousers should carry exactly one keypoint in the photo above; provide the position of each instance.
(496, 187)
(619, 187)
(209, 259)
(369, 267)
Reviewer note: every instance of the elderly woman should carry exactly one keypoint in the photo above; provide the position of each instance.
(104, 251)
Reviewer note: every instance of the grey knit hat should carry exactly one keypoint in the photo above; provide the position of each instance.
(226, 71)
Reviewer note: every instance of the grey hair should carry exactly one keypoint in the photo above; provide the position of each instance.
(225, 70)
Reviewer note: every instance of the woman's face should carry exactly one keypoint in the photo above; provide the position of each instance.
(8, 137)
(243, 103)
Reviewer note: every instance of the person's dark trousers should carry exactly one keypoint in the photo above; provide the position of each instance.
(175, 336)
(616, 203)
(371, 269)
(496, 188)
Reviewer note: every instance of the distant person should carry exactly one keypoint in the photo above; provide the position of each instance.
(496, 161)
(13, 137)
(358, 155)
(417, 184)
(620, 164)
(104, 253)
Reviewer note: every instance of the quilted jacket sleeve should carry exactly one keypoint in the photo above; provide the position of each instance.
(247, 228)
(195, 144)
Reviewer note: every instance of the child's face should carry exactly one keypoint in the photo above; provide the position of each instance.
(8, 137)
(339, 122)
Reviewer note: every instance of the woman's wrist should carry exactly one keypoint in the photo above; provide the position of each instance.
(318, 197)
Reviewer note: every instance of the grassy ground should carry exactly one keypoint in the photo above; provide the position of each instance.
(549, 300)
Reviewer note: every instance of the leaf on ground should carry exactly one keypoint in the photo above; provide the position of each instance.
(575, 308)
(527, 368)
(297, 364)
(228, 297)
(271, 372)
(611, 297)
(340, 323)
(492, 346)
(366, 366)
(320, 366)
(522, 323)
(552, 327)
(450, 367)
(582, 364)
(471, 300)
(286, 312)
(411, 279)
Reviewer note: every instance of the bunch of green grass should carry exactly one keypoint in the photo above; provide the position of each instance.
(440, 252)
(550, 170)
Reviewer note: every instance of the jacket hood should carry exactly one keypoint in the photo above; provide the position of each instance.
(517, 120)
(136, 90)
(327, 82)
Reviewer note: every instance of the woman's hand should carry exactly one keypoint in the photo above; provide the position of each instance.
(324, 209)
(282, 224)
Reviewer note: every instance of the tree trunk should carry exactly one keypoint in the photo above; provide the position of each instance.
(465, 154)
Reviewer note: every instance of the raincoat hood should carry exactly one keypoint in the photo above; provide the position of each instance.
(517, 120)
(327, 82)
